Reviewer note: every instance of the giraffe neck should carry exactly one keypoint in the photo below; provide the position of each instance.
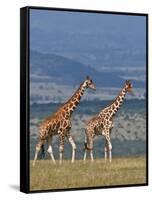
(72, 103)
(114, 107)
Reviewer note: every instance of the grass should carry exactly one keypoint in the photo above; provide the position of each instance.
(122, 171)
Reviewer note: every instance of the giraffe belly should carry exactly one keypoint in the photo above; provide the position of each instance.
(98, 131)
(47, 129)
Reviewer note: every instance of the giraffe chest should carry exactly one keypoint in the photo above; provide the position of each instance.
(98, 128)
(101, 123)
(108, 123)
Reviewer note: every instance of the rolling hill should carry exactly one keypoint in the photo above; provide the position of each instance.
(62, 70)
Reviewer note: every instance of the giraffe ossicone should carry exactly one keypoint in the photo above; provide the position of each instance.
(59, 123)
(102, 124)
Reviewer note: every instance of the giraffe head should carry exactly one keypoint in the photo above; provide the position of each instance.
(88, 83)
(128, 86)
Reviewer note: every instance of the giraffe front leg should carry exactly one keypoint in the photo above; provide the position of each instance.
(106, 150)
(110, 151)
(71, 141)
(91, 155)
(105, 153)
(85, 155)
(108, 145)
(50, 151)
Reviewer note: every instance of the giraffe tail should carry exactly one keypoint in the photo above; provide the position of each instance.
(42, 152)
(85, 146)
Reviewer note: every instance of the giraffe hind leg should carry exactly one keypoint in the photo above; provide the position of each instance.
(90, 148)
(91, 154)
(37, 150)
(108, 143)
(85, 151)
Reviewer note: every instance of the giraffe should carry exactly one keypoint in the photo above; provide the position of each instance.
(102, 124)
(59, 124)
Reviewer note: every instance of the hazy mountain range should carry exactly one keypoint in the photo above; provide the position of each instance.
(65, 71)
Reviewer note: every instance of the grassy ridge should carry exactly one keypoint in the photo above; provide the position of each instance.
(121, 171)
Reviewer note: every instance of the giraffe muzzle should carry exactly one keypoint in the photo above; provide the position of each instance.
(93, 87)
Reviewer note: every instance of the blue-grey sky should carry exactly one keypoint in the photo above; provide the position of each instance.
(90, 37)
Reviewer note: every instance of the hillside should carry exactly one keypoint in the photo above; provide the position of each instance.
(62, 70)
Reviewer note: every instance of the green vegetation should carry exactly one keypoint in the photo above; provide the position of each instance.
(121, 171)
(87, 107)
